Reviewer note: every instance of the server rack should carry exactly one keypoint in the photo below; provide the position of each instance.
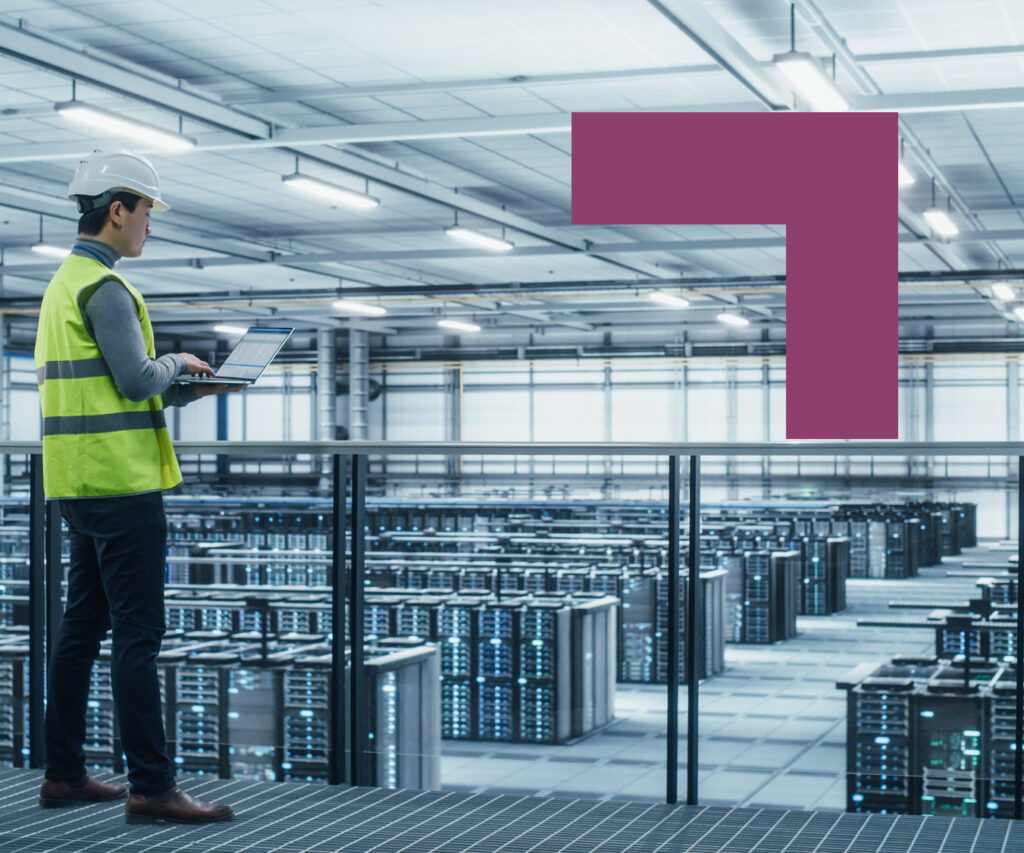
(456, 636)
(545, 689)
(825, 566)
(771, 595)
(496, 661)
(711, 653)
(927, 736)
(405, 725)
(637, 628)
(593, 668)
(14, 730)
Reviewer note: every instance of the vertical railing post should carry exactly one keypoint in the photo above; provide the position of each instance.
(1018, 758)
(223, 460)
(357, 696)
(54, 575)
(672, 778)
(36, 611)
(694, 635)
(339, 592)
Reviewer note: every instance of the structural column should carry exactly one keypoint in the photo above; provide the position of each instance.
(326, 403)
(929, 413)
(453, 423)
(358, 383)
(1012, 427)
(5, 393)
(731, 428)
(766, 426)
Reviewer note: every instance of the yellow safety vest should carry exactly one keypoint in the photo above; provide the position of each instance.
(96, 442)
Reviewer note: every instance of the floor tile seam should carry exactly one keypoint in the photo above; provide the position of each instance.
(564, 828)
(1009, 831)
(620, 807)
(307, 820)
(974, 841)
(566, 804)
(697, 815)
(340, 798)
(813, 745)
(489, 799)
(840, 821)
(796, 834)
(758, 823)
(692, 845)
(942, 844)
(383, 815)
(540, 804)
(623, 828)
(44, 818)
(131, 838)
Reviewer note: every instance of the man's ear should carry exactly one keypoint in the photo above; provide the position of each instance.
(116, 212)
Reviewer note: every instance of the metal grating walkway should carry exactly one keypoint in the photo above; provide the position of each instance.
(287, 817)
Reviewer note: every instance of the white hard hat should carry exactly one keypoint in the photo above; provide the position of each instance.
(111, 171)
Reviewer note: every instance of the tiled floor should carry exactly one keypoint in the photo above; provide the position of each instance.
(772, 725)
(292, 817)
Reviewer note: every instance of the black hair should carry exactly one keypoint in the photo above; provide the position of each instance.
(92, 221)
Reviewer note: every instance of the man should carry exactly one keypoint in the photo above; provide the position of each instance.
(107, 456)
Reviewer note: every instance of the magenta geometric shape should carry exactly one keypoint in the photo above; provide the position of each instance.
(830, 178)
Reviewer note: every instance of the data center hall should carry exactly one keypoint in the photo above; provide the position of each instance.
(559, 504)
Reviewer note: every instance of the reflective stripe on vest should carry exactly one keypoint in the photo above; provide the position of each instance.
(83, 369)
(87, 424)
(96, 441)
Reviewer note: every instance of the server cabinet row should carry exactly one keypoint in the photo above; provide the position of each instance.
(231, 713)
(926, 737)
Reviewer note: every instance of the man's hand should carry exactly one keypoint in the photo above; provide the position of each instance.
(195, 366)
(214, 388)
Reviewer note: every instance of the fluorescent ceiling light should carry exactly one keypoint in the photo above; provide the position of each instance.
(225, 329)
(458, 325)
(1019, 311)
(353, 307)
(49, 250)
(941, 222)
(670, 299)
(1003, 292)
(112, 124)
(906, 177)
(330, 192)
(806, 74)
(484, 241)
(733, 319)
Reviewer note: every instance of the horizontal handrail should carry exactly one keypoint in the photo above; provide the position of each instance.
(586, 448)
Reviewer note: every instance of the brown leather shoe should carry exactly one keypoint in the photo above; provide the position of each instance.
(54, 794)
(175, 806)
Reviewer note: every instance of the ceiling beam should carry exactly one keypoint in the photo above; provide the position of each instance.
(333, 91)
(232, 250)
(105, 71)
(824, 30)
(947, 53)
(690, 17)
(34, 49)
(335, 134)
(937, 102)
(307, 260)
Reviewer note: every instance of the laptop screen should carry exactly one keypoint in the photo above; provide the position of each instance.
(253, 353)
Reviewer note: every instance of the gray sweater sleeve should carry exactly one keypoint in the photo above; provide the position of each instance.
(113, 320)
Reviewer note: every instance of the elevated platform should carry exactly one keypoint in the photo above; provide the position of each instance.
(294, 817)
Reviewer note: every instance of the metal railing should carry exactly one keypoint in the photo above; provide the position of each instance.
(348, 721)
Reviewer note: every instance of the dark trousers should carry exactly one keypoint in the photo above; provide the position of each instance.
(115, 580)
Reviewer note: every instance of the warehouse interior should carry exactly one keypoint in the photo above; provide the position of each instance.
(391, 179)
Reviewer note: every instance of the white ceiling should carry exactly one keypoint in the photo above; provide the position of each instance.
(233, 71)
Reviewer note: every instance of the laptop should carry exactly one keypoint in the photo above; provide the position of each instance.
(247, 361)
